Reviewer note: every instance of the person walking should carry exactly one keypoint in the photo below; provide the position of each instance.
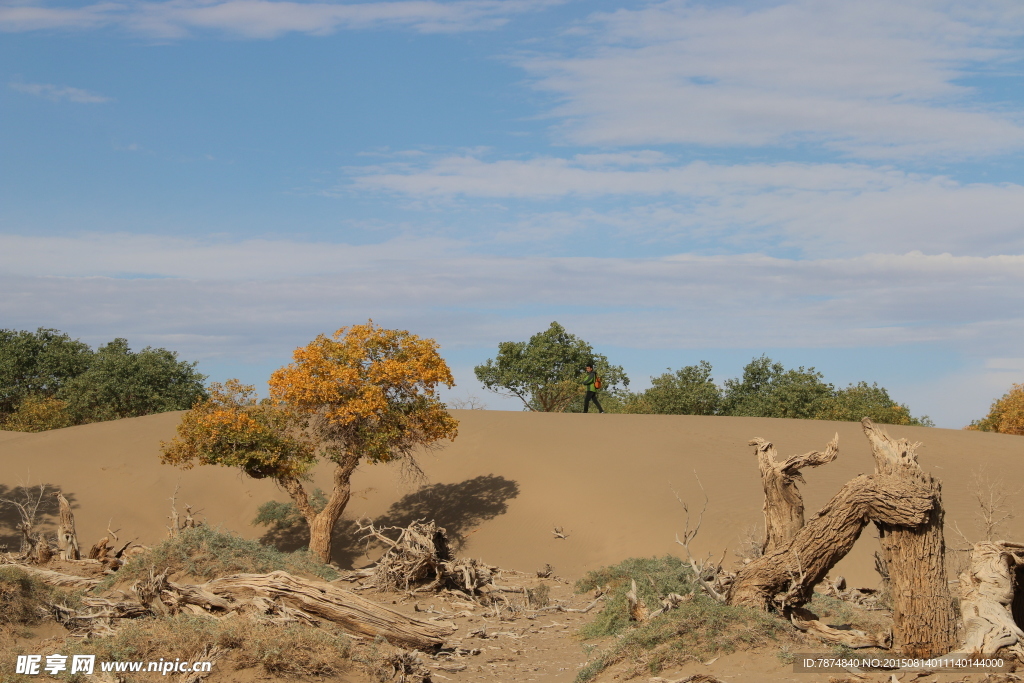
(591, 383)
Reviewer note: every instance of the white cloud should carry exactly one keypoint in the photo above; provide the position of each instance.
(682, 300)
(59, 93)
(818, 209)
(270, 18)
(872, 79)
(251, 302)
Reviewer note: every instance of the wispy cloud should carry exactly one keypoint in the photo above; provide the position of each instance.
(871, 79)
(817, 209)
(674, 301)
(59, 93)
(269, 18)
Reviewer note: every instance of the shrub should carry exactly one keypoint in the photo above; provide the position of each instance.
(205, 552)
(697, 628)
(293, 649)
(38, 414)
(24, 599)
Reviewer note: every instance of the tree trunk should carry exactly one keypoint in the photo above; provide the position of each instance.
(915, 555)
(67, 538)
(786, 578)
(321, 524)
(783, 504)
(986, 599)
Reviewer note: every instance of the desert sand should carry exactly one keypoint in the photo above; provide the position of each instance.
(608, 482)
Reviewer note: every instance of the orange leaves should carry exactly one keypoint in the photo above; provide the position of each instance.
(365, 392)
(1006, 415)
(360, 372)
(233, 428)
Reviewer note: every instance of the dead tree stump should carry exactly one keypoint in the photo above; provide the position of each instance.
(67, 539)
(986, 599)
(786, 578)
(783, 504)
(915, 555)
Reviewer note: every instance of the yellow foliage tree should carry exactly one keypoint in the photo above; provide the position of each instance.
(1006, 415)
(39, 413)
(366, 393)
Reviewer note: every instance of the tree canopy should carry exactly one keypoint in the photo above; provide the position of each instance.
(545, 373)
(861, 400)
(767, 389)
(122, 383)
(49, 380)
(1006, 416)
(37, 364)
(365, 393)
(687, 391)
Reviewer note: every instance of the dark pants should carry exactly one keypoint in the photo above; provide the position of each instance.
(591, 396)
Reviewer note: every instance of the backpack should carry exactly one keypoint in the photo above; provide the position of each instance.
(597, 382)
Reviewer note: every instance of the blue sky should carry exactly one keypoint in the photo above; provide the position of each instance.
(831, 183)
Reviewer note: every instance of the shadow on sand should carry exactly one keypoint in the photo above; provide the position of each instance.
(458, 508)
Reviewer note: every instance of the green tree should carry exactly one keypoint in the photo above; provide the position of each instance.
(862, 400)
(37, 364)
(545, 372)
(121, 383)
(767, 389)
(687, 391)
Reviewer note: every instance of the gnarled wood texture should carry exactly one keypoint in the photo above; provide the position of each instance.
(987, 589)
(786, 577)
(783, 504)
(923, 620)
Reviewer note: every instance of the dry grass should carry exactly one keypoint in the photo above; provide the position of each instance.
(236, 642)
(696, 629)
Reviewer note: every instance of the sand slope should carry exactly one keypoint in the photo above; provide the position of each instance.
(607, 480)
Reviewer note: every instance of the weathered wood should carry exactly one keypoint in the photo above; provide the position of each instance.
(923, 619)
(67, 539)
(637, 607)
(987, 590)
(59, 579)
(783, 504)
(809, 623)
(786, 577)
(327, 601)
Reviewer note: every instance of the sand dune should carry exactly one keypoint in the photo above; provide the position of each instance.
(609, 481)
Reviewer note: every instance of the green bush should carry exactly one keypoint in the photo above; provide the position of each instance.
(25, 600)
(698, 628)
(205, 552)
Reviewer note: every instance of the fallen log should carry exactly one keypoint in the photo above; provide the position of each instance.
(327, 601)
(58, 579)
(809, 623)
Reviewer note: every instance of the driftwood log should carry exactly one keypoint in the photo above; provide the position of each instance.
(344, 608)
(808, 622)
(915, 555)
(783, 504)
(786, 578)
(987, 589)
(277, 596)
